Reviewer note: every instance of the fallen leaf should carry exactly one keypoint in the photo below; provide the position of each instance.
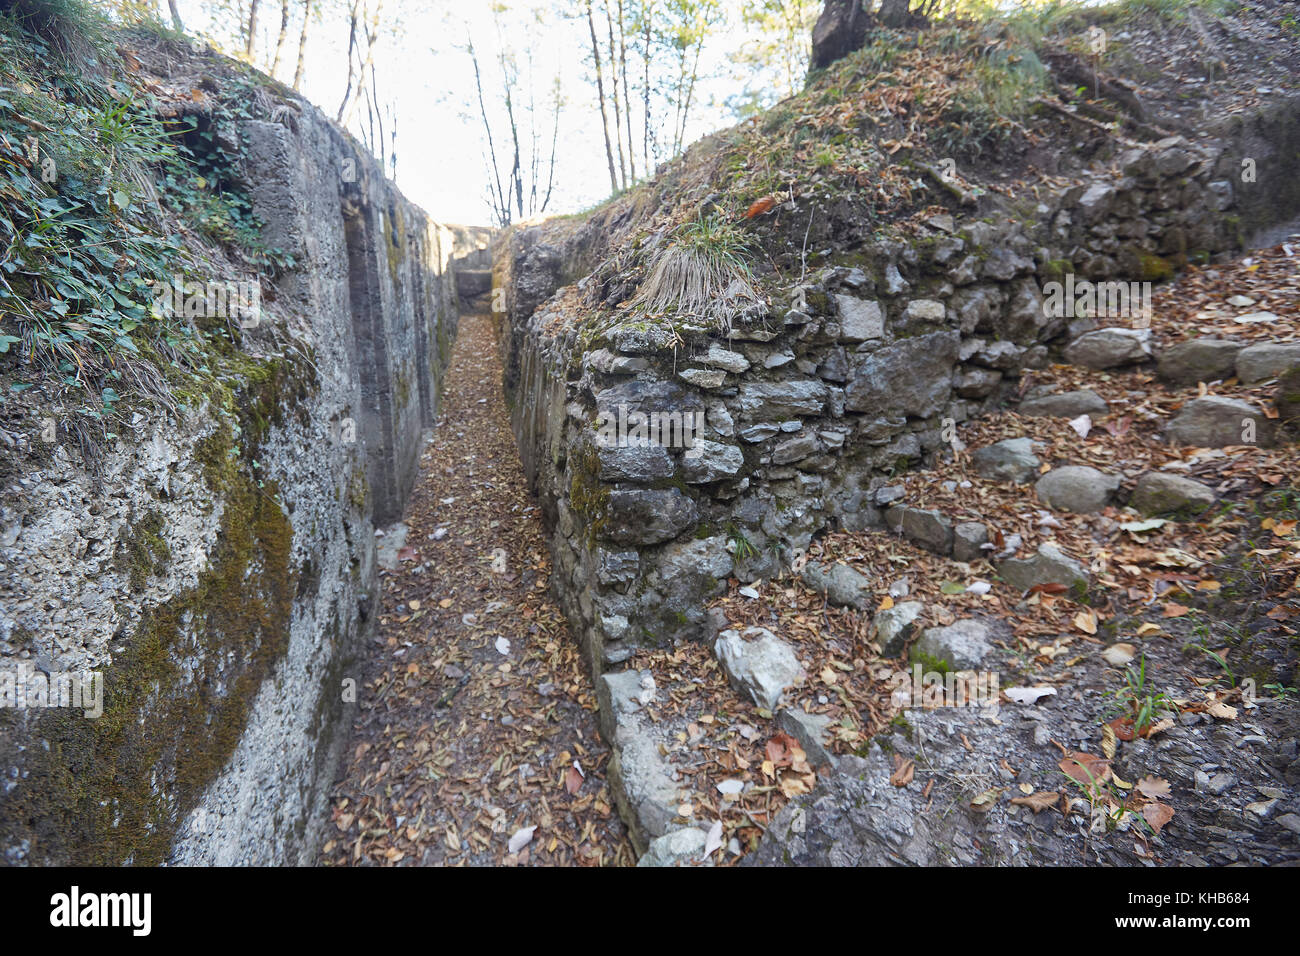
(1222, 711)
(903, 771)
(714, 840)
(1117, 655)
(1153, 787)
(1038, 802)
(1157, 814)
(521, 838)
(572, 780)
(1029, 695)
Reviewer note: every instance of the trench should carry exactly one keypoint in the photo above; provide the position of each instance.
(477, 719)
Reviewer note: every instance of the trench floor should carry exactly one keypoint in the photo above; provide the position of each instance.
(477, 718)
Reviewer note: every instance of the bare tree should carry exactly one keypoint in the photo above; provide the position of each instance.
(600, 95)
(627, 96)
(302, 43)
(252, 29)
(284, 29)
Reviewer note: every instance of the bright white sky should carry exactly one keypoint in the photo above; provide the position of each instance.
(425, 72)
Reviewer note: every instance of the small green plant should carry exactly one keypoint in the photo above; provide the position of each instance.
(1139, 700)
(739, 545)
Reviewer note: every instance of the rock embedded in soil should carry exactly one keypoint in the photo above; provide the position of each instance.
(892, 627)
(1259, 363)
(928, 529)
(678, 848)
(1160, 493)
(1216, 422)
(758, 663)
(1063, 405)
(1198, 360)
(1012, 459)
(962, 646)
(1076, 488)
(1048, 566)
(968, 540)
(1110, 348)
(810, 731)
(842, 585)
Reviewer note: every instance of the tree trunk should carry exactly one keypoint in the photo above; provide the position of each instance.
(352, 44)
(502, 210)
(648, 13)
(600, 95)
(302, 44)
(618, 116)
(284, 29)
(177, 25)
(252, 30)
(627, 95)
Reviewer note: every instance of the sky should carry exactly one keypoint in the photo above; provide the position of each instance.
(424, 70)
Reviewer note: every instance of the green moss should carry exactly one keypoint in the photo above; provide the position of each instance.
(588, 496)
(1055, 270)
(114, 789)
(144, 551)
(929, 663)
(1153, 268)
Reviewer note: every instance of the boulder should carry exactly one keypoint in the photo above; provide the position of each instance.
(1076, 488)
(1160, 493)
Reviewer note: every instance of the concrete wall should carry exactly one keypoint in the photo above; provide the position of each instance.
(221, 571)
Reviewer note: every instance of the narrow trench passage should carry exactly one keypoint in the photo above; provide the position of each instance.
(475, 703)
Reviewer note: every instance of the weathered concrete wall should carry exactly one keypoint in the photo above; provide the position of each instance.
(222, 573)
(846, 381)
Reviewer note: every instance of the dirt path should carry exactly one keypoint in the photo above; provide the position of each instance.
(475, 706)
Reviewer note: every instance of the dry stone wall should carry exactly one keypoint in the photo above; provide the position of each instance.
(807, 413)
